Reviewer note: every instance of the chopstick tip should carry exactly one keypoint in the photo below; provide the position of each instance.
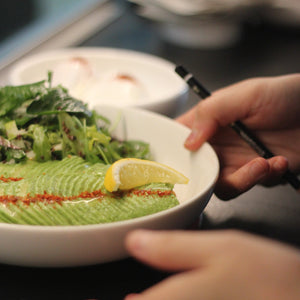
(181, 71)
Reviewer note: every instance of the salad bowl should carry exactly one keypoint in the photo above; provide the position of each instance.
(81, 245)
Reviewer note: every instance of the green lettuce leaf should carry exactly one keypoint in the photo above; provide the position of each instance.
(14, 96)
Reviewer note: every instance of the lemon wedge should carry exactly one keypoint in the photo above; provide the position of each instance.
(128, 173)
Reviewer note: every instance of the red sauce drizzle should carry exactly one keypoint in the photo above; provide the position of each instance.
(152, 192)
(8, 179)
(48, 198)
(52, 199)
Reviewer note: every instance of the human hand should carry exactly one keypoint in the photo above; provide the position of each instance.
(268, 106)
(218, 265)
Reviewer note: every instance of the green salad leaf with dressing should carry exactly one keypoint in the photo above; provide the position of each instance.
(54, 153)
(42, 122)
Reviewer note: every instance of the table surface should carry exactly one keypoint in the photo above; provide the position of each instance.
(264, 50)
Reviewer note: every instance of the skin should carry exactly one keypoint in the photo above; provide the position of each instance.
(231, 265)
(270, 107)
(227, 265)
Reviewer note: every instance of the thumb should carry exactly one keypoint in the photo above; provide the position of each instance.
(175, 250)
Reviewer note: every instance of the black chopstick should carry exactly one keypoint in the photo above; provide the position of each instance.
(240, 128)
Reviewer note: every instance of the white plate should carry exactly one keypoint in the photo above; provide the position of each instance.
(94, 75)
(65, 246)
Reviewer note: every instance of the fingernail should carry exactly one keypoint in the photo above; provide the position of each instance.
(139, 241)
(193, 138)
(280, 165)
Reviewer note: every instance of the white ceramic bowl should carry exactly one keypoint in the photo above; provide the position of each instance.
(195, 24)
(64, 246)
(108, 76)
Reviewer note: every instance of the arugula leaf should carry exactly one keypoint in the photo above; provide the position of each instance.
(13, 96)
(41, 144)
(9, 152)
(11, 129)
(137, 149)
(15, 155)
(57, 100)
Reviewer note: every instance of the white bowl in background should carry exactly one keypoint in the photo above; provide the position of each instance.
(68, 246)
(108, 76)
(196, 24)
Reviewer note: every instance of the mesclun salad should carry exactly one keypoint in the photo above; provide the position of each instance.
(42, 123)
(54, 154)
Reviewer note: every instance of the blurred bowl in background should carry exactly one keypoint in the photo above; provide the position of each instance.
(207, 24)
(194, 24)
(205, 34)
(117, 77)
